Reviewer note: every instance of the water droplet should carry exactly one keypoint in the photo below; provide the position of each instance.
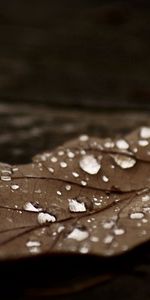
(38, 191)
(33, 244)
(54, 159)
(75, 206)
(125, 162)
(63, 164)
(83, 138)
(124, 248)
(68, 187)
(60, 153)
(146, 198)
(51, 170)
(135, 150)
(82, 152)
(5, 178)
(109, 144)
(145, 132)
(108, 239)
(14, 186)
(60, 228)
(45, 217)
(89, 164)
(78, 235)
(70, 154)
(112, 166)
(97, 203)
(122, 144)
(144, 232)
(94, 239)
(84, 249)
(54, 233)
(136, 215)
(108, 224)
(143, 143)
(6, 172)
(15, 169)
(119, 231)
(30, 207)
(105, 178)
(146, 209)
(83, 182)
(144, 220)
(59, 193)
(75, 174)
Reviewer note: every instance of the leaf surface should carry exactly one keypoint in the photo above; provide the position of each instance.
(88, 196)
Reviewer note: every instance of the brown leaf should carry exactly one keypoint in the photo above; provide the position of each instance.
(89, 196)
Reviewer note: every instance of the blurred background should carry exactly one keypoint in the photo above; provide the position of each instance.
(79, 53)
(69, 68)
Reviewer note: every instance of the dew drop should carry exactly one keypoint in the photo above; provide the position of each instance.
(94, 239)
(45, 217)
(14, 186)
(82, 152)
(144, 232)
(5, 178)
(84, 250)
(122, 144)
(125, 162)
(145, 132)
(75, 206)
(146, 198)
(78, 235)
(144, 220)
(60, 153)
(108, 239)
(89, 164)
(33, 244)
(59, 193)
(68, 187)
(135, 150)
(109, 144)
(146, 209)
(15, 169)
(119, 231)
(30, 207)
(143, 143)
(63, 164)
(83, 182)
(108, 224)
(60, 228)
(75, 174)
(136, 215)
(83, 138)
(6, 172)
(105, 178)
(54, 159)
(51, 170)
(70, 154)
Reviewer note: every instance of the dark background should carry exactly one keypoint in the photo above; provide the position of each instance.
(68, 68)
(85, 53)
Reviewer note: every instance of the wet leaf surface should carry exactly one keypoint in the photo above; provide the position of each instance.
(88, 196)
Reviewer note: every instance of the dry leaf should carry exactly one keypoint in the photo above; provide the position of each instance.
(89, 196)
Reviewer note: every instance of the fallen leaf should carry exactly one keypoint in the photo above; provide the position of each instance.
(89, 196)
